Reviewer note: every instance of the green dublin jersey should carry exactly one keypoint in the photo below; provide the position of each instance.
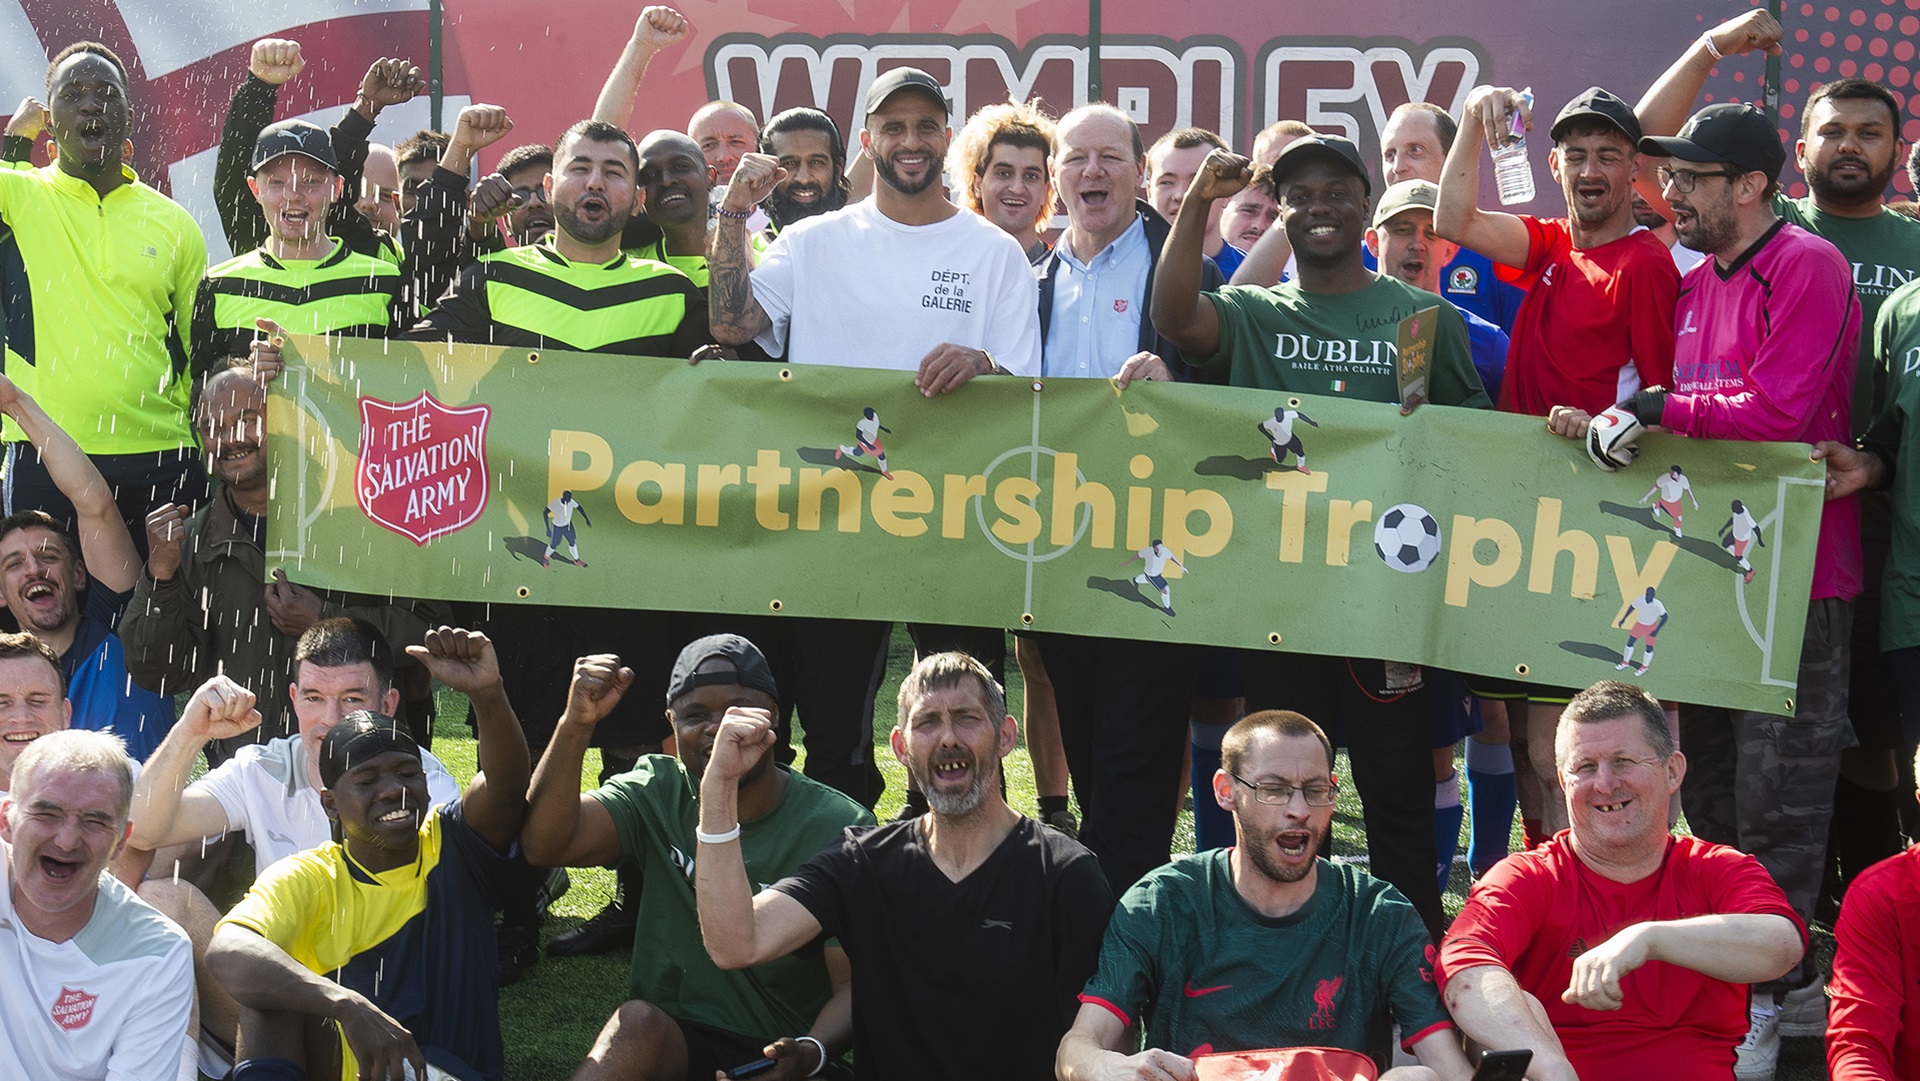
(1338, 344)
(1894, 436)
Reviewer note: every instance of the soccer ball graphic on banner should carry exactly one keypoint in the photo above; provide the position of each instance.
(1407, 538)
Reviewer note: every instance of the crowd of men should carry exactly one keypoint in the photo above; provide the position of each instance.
(324, 899)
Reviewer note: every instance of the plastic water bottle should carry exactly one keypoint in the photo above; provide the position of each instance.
(1512, 175)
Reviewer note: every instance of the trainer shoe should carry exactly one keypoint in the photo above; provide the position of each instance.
(1803, 1010)
(610, 930)
(1758, 1056)
(519, 950)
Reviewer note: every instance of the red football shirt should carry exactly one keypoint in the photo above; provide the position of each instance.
(1597, 323)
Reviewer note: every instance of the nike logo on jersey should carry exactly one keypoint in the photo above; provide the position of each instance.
(1196, 992)
(1004, 925)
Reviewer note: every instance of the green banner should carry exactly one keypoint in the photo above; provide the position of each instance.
(1457, 538)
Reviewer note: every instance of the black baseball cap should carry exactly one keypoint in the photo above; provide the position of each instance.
(361, 735)
(294, 137)
(1317, 147)
(750, 667)
(898, 79)
(1600, 105)
(1731, 132)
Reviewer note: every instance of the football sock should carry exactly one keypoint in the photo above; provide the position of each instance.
(1492, 800)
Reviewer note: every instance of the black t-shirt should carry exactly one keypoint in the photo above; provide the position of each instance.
(962, 980)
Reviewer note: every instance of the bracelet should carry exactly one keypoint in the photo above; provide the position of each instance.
(992, 364)
(1712, 50)
(706, 838)
(736, 215)
(818, 1046)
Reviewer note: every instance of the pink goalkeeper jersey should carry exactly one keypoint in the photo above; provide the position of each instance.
(1764, 350)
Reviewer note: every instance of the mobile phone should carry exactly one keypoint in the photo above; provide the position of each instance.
(1504, 1066)
(759, 1066)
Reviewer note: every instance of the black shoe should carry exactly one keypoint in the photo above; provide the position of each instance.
(519, 951)
(609, 930)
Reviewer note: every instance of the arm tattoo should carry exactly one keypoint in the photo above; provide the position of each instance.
(735, 317)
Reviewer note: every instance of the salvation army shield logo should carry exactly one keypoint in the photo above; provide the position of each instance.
(423, 465)
(73, 1009)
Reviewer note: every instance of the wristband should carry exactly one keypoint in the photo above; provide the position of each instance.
(706, 838)
(818, 1046)
(1712, 49)
(736, 215)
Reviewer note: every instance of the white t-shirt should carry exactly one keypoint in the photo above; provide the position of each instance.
(108, 1004)
(1155, 559)
(1672, 487)
(265, 793)
(1647, 612)
(1744, 525)
(855, 288)
(561, 511)
(1685, 258)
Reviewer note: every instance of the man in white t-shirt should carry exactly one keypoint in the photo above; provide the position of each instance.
(938, 291)
(270, 791)
(905, 281)
(94, 985)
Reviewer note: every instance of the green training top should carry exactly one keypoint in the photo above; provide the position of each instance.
(534, 296)
(346, 293)
(655, 811)
(1894, 436)
(1342, 345)
(98, 339)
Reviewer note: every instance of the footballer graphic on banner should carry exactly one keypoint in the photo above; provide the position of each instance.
(1282, 439)
(866, 440)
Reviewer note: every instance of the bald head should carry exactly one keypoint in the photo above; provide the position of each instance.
(662, 142)
(724, 130)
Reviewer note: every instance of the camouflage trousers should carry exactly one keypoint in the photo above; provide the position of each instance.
(1763, 783)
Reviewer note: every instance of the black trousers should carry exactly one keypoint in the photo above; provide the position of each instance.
(1382, 714)
(1124, 706)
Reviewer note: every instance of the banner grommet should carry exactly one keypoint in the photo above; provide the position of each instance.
(775, 604)
(533, 358)
(1026, 619)
(523, 591)
(1038, 386)
(1521, 670)
(1274, 638)
(786, 375)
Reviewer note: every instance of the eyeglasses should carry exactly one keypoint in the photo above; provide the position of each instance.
(528, 196)
(1317, 794)
(1587, 771)
(1683, 180)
